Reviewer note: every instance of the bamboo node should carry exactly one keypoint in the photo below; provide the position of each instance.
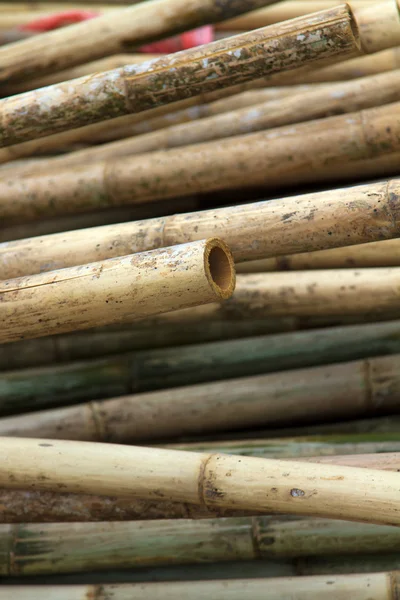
(219, 268)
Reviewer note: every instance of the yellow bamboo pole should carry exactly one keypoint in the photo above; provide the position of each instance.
(385, 253)
(211, 480)
(106, 292)
(309, 222)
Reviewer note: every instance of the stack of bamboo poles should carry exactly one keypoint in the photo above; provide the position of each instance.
(168, 428)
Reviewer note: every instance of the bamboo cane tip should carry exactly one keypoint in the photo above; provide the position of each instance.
(220, 268)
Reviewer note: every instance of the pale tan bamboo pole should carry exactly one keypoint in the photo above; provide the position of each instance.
(106, 292)
(258, 230)
(385, 253)
(206, 479)
(112, 33)
(336, 391)
(323, 292)
(330, 100)
(136, 88)
(302, 152)
(96, 219)
(371, 586)
(289, 9)
(18, 506)
(388, 461)
(52, 6)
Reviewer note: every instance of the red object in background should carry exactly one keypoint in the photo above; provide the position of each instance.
(68, 17)
(189, 39)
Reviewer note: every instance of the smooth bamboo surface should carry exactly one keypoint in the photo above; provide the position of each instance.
(111, 34)
(219, 480)
(119, 375)
(137, 285)
(339, 391)
(136, 88)
(215, 322)
(323, 292)
(50, 507)
(34, 549)
(258, 159)
(295, 224)
(380, 586)
(326, 101)
(375, 254)
(288, 9)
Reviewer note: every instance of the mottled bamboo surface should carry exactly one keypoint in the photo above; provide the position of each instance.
(137, 88)
(328, 219)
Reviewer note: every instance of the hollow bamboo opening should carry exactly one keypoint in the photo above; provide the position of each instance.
(355, 30)
(220, 268)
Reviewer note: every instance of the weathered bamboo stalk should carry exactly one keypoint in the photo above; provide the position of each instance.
(104, 64)
(350, 493)
(33, 549)
(112, 33)
(105, 292)
(17, 506)
(330, 100)
(289, 9)
(296, 224)
(383, 586)
(344, 390)
(136, 88)
(375, 254)
(263, 158)
(323, 292)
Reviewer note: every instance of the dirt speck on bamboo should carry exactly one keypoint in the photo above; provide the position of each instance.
(291, 225)
(100, 293)
(315, 38)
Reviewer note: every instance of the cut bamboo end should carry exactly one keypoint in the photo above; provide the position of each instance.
(219, 268)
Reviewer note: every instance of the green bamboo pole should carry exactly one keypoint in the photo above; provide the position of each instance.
(147, 370)
(382, 586)
(212, 323)
(135, 88)
(264, 159)
(328, 219)
(34, 549)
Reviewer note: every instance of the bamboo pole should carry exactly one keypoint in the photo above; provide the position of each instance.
(289, 9)
(149, 370)
(245, 483)
(264, 158)
(330, 100)
(107, 292)
(18, 506)
(34, 549)
(136, 88)
(323, 292)
(375, 254)
(345, 390)
(328, 219)
(112, 33)
(383, 586)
